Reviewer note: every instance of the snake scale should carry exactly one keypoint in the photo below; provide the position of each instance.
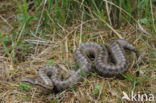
(108, 59)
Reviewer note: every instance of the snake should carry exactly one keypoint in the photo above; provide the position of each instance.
(109, 59)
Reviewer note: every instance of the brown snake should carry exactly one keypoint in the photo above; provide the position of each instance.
(91, 57)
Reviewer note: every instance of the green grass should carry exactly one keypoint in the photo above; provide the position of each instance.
(25, 87)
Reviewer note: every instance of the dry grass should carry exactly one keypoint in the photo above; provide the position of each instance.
(60, 49)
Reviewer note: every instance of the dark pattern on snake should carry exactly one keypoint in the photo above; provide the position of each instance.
(91, 57)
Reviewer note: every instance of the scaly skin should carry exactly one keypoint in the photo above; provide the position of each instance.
(116, 49)
(88, 55)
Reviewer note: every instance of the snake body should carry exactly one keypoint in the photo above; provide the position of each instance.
(91, 57)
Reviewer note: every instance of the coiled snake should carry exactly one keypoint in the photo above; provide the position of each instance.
(91, 57)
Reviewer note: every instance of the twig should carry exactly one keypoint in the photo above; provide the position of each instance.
(6, 22)
(108, 12)
(39, 23)
(38, 42)
(59, 42)
(152, 16)
(81, 28)
(108, 25)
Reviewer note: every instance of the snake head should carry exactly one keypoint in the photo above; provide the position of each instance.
(38, 83)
